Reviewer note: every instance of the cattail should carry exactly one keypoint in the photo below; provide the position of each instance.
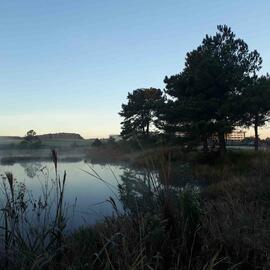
(54, 157)
(10, 179)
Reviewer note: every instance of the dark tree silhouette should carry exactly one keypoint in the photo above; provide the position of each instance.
(256, 104)
(97, 143)
(140, 112)
(207, 92)
(30, 136)
(31, 140)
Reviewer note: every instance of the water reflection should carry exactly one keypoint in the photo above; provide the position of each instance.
(146, 191)
(137, 190)
(32, 168)
(130, 189)
(82, 190)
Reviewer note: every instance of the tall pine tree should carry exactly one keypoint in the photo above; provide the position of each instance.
(208, 90)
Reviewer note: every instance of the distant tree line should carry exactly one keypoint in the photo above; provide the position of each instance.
(218, 90)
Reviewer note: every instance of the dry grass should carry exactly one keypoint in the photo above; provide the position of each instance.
(32, 227)
(223, 225)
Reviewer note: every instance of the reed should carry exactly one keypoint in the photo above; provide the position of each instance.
(33, 227)
(222, 224)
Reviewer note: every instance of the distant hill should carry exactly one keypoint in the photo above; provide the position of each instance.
(50, 136)
(10, 138)
(47, 141)
(62, 135)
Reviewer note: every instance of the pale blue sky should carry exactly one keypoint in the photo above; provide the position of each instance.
(67, 65)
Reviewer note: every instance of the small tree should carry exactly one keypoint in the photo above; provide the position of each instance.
(31, 136)
(140, 111)
(97, 143)
(31, 140)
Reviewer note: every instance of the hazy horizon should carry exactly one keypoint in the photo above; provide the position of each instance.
(67, 66)
(264, 133)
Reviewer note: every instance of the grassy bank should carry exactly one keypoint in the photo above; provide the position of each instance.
(224, 226)
(221, 223)
(135, 153)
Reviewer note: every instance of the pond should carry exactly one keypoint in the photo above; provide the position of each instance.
(86, 196)
(92, 191)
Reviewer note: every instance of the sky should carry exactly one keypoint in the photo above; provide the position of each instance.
(67, 66)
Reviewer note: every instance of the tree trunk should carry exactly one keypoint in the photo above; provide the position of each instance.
(147, 129)
(205, 145)
(256, 143)
(222, 142)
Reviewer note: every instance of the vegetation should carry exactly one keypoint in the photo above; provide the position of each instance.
(221, 222)
(44, 141)
(257, 105)
(217, 91)
(31, 226)
(140, 111)
(31, 140)
(184, 209)
(97, 143)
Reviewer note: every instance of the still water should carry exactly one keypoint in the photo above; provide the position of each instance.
(85, 196)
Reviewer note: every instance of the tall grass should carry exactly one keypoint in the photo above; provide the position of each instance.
(32, 228)
(222, 224)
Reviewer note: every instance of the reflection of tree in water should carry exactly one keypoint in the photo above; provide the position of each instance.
(144, 193)
(137, 190)
(31, 168)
